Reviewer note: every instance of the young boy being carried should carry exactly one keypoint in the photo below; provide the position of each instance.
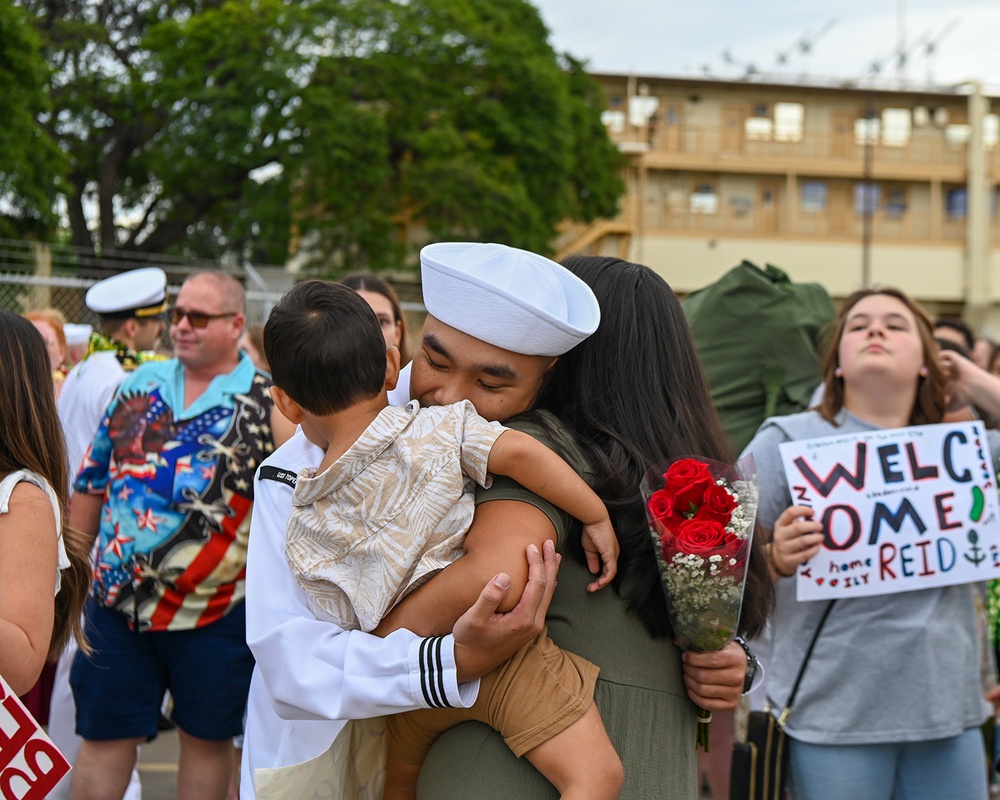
(390, 505)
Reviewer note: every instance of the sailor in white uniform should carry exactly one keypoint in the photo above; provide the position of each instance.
(77, 341)
(311, 676)
(131, 309)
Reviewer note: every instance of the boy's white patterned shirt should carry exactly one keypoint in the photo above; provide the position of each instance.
(390, 512)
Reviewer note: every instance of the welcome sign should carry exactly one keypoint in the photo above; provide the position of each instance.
(902, 509)
(30, 765)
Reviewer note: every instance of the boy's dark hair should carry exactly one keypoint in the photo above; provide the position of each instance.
(961, 328)
(325, 347)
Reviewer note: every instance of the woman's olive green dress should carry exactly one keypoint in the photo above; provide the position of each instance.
(640, 691)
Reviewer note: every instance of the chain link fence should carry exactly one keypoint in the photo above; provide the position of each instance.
(35, 276)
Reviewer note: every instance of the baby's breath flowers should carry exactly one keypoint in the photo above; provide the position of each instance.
(701, 515)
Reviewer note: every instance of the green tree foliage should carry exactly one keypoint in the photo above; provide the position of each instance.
(465, 125)
(30, 164)
(164, 109)
(356, 127)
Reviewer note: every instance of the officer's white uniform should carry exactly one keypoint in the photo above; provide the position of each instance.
(86, 394)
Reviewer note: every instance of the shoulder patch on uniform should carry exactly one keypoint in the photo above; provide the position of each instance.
(268, 473)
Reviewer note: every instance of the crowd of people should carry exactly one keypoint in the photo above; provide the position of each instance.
(276, 533)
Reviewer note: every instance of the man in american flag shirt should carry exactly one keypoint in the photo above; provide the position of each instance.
(166, 489)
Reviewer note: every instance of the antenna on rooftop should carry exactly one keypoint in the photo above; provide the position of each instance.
(748, 67)
(803, 45)
(927, 42)
(931, 45)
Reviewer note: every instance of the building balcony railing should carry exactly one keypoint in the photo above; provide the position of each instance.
(926, 155)
(909, 225)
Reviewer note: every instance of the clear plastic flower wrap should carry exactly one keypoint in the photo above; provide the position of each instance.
(701, 515)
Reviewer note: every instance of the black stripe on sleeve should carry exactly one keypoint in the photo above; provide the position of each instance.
(432, 673)
(423, 677)
(440, 673)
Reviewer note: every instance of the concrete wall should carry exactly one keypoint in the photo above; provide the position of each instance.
(926, 272)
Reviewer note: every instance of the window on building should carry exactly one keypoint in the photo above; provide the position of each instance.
(615, 101)
(956, 203)
(672, 115)
(991, 131)
(895, 202)
(867, 197)
(788, 122)
(614, 121)
(786, 125)
(641, 108)
(866, 130)
(896, 127)
(813, 196)
(957, 134)
(741, 206)
(704, 199)
(758, 129)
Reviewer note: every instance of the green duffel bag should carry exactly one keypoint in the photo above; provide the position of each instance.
(760, 338)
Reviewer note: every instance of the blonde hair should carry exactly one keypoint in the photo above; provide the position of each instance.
(55, 320)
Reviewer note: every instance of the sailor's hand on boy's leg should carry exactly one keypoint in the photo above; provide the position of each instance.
(485, 638)
(600, 544)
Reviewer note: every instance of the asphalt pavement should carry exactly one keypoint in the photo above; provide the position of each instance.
(158, 767)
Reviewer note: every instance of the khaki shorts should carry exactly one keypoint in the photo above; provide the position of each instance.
(539, 692)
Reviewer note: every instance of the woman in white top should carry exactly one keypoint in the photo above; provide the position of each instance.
(44, 571)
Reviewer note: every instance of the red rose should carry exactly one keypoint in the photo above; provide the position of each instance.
(704, 537)
(661, 506)
(718, 505)
(687, 480)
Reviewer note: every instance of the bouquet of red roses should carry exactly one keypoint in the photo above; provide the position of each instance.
(701, 514)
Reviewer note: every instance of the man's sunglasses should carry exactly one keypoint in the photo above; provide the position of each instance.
(198, 319)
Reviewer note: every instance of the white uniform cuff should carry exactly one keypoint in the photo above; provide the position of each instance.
(434, 676)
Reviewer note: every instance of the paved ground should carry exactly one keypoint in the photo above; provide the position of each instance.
(158, 767)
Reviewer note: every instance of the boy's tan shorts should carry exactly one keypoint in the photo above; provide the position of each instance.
(539, 692)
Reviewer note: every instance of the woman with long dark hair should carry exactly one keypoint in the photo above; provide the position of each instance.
(44, 566)
(635, 394)
(631, 395)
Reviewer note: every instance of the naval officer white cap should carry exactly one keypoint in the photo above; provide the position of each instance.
(77, 334)
(506, 297)
(137, 293)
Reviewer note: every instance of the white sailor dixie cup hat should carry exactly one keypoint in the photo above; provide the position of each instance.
(77, 334)
(137, 293)
(506, 297)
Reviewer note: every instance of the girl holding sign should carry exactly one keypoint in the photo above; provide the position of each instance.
(890, 701)
(39, 559)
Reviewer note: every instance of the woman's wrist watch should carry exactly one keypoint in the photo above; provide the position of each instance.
(751, 663)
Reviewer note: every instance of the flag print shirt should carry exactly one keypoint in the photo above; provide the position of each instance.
(178, 486)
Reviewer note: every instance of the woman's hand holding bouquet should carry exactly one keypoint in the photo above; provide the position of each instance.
(701, 516)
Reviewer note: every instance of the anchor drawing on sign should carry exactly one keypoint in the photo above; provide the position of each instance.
(977, 555)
